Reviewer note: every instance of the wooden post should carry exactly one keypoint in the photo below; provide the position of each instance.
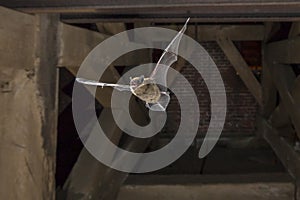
(28, 99)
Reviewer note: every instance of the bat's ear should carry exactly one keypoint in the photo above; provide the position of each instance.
(142, 78)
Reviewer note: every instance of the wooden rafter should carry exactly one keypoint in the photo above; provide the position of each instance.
(241, 67)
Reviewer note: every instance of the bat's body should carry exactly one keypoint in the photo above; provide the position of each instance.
(146, 89)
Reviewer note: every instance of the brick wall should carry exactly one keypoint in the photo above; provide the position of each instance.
(241, 106)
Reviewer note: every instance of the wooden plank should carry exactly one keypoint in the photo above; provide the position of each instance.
(285, 51)
(241, 67)
(16, 39)
(29, 120)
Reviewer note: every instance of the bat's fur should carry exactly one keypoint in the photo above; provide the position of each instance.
(148, 91)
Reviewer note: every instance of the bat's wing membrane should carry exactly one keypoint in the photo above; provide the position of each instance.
(168, 57)
(95, 83)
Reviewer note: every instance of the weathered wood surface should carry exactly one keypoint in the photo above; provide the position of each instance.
(284, 150)
(233, 32)
(206, 33)
(194, 187)
(17, 35)
(284, 78)
(29, 113)
(76, 43)
(269, 92)
(286, 51)
(241, 67)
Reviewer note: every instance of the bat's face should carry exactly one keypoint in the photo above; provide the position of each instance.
(136, 81)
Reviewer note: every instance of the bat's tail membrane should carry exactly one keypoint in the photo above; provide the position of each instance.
(162, 103)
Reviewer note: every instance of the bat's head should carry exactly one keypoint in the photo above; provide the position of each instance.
(136, 81)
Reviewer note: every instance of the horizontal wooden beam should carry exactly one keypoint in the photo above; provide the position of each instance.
(178, 187)
(96, 18)
(164, 8)
(241, 67)
(285, 51)
(233, 32)
(17, 39)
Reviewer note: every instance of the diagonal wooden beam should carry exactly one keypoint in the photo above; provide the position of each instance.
(280, 116)
(241, 67)
(295, 30)
(284, 150)
(284, 78)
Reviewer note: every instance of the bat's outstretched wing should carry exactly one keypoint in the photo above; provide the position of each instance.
(168, 57)
(95, 83)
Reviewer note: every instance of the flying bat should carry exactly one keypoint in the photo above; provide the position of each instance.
(156, 97)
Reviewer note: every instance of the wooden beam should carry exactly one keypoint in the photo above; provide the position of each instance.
(76, 43)
(111, 28)
(280, 116)
(29, 114)
(178, 187)
(295, 30)
(269, 92)
(284, 78)
(87, 174)
(95, 18)
(17, 35)
(285, 151)
(233, 32)
(102, 94)
(271, 28)
(241, 67)
(285, 51)
(101, 181)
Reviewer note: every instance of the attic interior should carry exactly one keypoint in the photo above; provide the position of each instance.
(255, 46)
